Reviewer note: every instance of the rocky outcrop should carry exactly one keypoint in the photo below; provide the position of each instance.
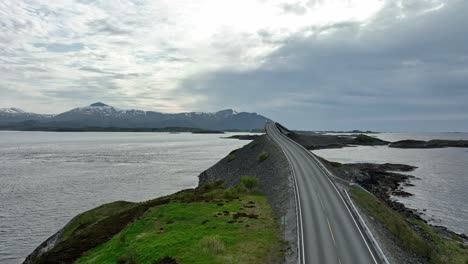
(244, 137)
(46, 246)
(383, 180)
(436, 143)
(314, 141)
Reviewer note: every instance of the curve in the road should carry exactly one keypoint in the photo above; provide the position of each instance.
(328, 230)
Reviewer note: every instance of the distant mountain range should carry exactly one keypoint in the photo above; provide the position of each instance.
(99, 115)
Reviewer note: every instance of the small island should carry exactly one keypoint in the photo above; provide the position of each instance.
(436, 143)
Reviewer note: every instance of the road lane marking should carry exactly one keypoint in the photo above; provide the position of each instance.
(339, 194)
(300, 229)
(347, 208)
(331, 232)
(320, 200)
(339, 260)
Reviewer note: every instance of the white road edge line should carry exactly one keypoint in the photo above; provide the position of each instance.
(339, 194)
(379, 250)
(331, 231)
(367, 245)
(363, 223)
(300, 232)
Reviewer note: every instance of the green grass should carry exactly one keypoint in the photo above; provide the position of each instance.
(438, 249)
(262, 156)
(249, 182)
(95, 215)
(447, 250)
(217, 231)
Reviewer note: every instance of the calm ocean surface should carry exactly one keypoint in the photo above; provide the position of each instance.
(47, 178)
(442, 187)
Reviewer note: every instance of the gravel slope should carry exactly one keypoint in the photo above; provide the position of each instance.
(274, 181)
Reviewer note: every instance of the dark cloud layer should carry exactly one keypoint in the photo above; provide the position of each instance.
(397, 74)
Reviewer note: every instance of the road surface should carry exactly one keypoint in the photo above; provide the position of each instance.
(328, 233)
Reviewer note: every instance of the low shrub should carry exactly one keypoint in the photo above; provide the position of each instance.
(230, 194)
(262, 156)
(207, 187)
(249, 182)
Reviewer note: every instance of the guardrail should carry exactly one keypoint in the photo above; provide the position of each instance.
(330, 174)
(366, 229)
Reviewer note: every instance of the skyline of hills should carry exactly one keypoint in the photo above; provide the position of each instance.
(103, 116)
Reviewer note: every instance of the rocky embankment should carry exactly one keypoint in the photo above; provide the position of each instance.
(382, 180)
(260, 159)
(273, 174)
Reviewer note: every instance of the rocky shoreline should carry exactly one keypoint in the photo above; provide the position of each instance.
(263, 160)
(385, 181)
(313, 141)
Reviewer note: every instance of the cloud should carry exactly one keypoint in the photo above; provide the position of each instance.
(295, 8)
(103, 26)
(337, 64)
(349, 75)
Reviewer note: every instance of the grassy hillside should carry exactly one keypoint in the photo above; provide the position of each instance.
(209, 224)
(425, 242)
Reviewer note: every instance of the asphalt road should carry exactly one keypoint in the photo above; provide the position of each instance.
(328, 233)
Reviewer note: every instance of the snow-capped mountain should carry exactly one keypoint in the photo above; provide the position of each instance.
(102, 115)
(17, 115)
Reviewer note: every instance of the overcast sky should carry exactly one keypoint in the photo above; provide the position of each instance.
(387, 65)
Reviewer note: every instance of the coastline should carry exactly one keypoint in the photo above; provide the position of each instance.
(402, 180)
(385, 181)
(403, 233)
(271, 170)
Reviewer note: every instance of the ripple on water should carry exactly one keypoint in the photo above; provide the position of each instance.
(443, 182)
(47, 178)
